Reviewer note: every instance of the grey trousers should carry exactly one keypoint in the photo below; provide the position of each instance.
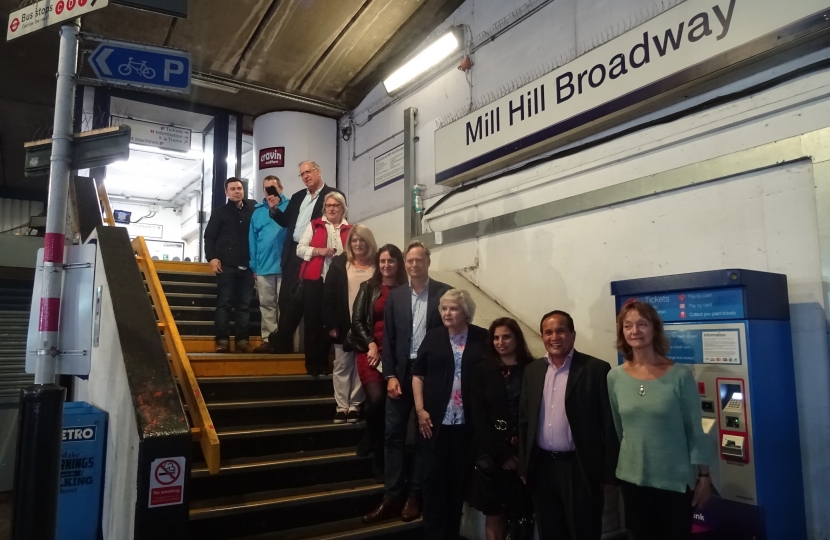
(268, 289)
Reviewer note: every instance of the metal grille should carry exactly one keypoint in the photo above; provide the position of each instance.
(13, 331)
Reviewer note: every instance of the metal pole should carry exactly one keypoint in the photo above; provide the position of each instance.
(37, 469)
(412, 221)
(50, 299)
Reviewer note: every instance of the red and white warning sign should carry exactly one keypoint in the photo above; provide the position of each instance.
(167, 481)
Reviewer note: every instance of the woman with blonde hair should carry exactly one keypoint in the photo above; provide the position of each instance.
(442, 380)
(324, 238)
(345, 275)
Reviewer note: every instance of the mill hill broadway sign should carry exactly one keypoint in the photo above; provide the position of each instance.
(652, 65)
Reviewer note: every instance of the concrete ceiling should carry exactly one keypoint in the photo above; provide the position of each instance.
(334, 51)
(331, 51)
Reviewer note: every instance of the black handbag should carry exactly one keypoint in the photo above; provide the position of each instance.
(295, 296)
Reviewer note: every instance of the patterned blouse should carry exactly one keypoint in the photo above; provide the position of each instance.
(455, 407)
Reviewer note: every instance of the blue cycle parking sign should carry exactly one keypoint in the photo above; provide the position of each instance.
(142, 66)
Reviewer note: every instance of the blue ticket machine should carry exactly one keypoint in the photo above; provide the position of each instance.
(732, 327)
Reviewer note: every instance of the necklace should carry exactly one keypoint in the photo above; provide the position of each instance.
(642, 390)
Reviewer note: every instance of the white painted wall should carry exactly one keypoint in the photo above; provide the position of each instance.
(305, 137)
(170, 219)
(766, 221)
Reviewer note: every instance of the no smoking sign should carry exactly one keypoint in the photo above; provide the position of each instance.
(167, 481)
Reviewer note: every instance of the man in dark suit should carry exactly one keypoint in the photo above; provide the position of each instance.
(410, 311)
(568, 444)
(305, 205)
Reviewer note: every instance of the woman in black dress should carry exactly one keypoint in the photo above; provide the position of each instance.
(497, 490)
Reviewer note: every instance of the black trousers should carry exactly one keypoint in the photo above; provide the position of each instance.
(657, 514)
(447, 466)
(291, 310)
(235, 288)
(316, 341)
(398, 412)
(566, 508)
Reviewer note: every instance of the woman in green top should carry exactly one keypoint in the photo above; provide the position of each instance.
(663, 464)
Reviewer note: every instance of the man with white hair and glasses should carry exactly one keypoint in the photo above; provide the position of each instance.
(305, 206)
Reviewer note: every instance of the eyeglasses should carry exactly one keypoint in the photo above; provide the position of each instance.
(303, 173)
(334, 205)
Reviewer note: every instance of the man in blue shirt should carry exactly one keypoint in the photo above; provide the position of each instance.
(266, 238)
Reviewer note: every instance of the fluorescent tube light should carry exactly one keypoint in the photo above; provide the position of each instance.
(423, 61)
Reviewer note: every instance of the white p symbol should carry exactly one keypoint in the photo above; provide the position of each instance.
(172, 67)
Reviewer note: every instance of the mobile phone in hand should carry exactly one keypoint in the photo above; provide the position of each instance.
(271, 190)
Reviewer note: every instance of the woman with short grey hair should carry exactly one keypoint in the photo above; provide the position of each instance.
(442, 389)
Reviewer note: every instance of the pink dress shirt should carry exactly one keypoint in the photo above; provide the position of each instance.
(554, 432)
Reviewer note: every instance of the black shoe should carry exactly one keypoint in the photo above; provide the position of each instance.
(353, 417)
(340, 417)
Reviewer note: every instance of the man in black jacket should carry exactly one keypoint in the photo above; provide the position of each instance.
(568, 444)
(410, 311)
(226, 247)
(305, 205)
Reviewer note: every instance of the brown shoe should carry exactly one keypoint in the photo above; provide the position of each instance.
(411, 510)
(223, 347)
(265, 348)
(243, 347)
(387, 509)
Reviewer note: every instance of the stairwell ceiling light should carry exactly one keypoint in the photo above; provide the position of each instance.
(423, 61)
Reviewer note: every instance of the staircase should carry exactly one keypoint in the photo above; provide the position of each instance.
(287, 472)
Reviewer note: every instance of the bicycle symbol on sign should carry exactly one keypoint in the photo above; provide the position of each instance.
(141, 68)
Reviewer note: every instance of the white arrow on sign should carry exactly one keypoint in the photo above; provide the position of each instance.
(101, 60)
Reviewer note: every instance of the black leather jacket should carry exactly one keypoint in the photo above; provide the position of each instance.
(363, 316)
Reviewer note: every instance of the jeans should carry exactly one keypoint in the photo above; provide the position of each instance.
(398, 412)
(235, 289)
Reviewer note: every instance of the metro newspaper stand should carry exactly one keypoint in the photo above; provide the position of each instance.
(732, 327)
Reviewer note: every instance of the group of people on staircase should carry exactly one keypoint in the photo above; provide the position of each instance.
(523, 440)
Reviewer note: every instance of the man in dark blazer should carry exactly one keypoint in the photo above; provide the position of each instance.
(304, 206)
(410, 311)
(568, 444)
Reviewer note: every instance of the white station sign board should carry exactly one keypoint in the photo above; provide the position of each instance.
(157, 135)
(45, 13)
(681, 47)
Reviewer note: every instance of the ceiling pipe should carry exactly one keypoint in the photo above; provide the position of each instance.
(227, 81)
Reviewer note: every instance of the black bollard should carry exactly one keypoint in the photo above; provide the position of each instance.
(37, 469)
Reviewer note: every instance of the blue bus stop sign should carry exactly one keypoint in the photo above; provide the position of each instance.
(142, 66)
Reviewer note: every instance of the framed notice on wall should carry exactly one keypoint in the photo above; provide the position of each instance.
(389, 167)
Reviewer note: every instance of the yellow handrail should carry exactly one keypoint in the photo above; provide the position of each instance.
(203, 429)
(104, 197)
